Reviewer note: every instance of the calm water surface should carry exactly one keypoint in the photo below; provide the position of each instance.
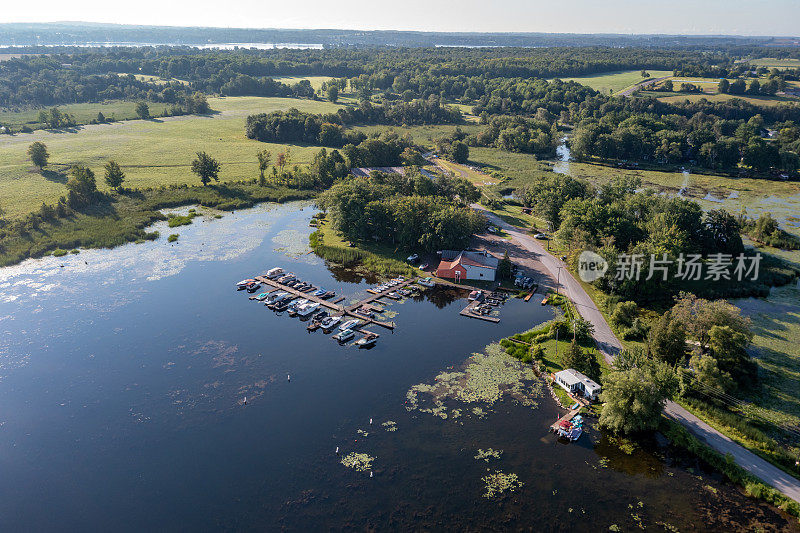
(123, 374)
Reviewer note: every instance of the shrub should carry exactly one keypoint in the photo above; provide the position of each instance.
(173, 237)
(58, 252)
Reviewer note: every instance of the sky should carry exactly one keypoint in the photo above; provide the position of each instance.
(730, 17)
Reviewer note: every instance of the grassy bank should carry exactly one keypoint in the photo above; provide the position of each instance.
(376, 259)
(151, 152)
(752, 486)
(120, 218)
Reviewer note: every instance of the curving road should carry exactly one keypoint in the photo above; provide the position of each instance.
(609, 345)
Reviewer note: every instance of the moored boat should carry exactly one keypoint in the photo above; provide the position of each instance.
(344, 335)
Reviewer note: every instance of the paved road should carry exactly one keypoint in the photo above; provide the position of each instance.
(610, 346)
(641, 85)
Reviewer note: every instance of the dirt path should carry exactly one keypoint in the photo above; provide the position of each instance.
(532, 255)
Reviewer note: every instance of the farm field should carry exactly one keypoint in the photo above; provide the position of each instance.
(151, 152)
(771, 62)
(316, 81)
(764, 101)
(83, 113)
(616, 81)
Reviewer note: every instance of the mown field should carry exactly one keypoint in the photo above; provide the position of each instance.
(316, 81)
(83, 113)
(151, 152)
(764, 101)
(771, 62)
(616, 81)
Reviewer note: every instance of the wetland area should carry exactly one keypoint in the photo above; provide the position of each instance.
(123, 374)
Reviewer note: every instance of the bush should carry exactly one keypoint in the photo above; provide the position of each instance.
(173, 237)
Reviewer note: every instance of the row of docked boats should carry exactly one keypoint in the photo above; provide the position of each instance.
(307, 308)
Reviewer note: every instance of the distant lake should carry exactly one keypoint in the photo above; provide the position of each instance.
(123, 375)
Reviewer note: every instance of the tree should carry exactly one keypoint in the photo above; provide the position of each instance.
(667, 339)
(645, 74)
(581, 360)
(114, 175)
(333, 92)
(82, 186)
(264, 157)
(707, 374)
(635, 391)
(724, 86)
(504, 267)
(38, 154)
(700, 316)
(460, 152)
(101, 118)
(624, 314)
(142, 110)
(206, 167)
(582, 329)
(667, 86)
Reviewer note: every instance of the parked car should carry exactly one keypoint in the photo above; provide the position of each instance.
(413, 258)
(541, 236)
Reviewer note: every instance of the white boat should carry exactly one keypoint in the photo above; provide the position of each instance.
(272, 298)
(426, 282)
(307, 309)
(274, 272)
(367, 340)
(297, 303)
(330, 322)
(344, 335)
(350, 324)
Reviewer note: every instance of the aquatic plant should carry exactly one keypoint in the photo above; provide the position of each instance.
(485, 378)
(174, 220)
(488, 454)
(173, 237)
(390, 425)
(358, 461)
(362, 432)
(499, 483)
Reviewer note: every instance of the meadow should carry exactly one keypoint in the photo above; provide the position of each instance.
(763, 101)
(83, 113)
(616, 81)
(771, 62)
(151, 152)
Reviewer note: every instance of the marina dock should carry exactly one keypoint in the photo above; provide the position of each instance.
(467, 311)
(335, 306)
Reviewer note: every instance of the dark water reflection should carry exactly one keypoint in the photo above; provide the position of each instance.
(123, 374)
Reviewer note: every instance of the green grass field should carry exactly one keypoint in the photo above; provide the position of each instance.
(771, 62)
(616, 81)
(776, 323)
(422, 135)
(764, 101)
(83, 113)
(316, 81)
(151, 152)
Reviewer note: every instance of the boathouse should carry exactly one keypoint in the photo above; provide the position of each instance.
(459, 265)
(577, 383)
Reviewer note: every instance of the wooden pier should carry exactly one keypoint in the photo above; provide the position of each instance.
(467, 311)
(334, 306)
(567, 417)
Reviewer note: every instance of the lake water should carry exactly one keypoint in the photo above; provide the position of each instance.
(123, 374)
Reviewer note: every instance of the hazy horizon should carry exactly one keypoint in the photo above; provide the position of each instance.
(680, 17)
